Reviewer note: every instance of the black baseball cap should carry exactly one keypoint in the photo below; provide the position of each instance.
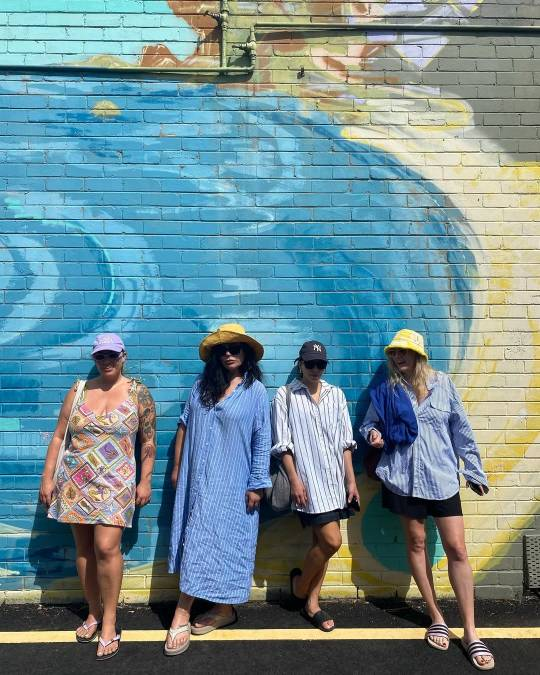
(313, 351)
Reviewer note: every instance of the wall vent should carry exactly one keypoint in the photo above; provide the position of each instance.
(531, 561)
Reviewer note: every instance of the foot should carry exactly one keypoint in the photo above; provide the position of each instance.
(437, 636)
(217, 616)
(483, 659)
(87, 631)
(180, 618)
(311, 609)
(108, 634)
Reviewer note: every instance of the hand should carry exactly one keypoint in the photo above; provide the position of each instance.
(253, 498)
(478, 488)
(46, 491)
(352, 492)
(299, 493)
(143, 493)
(174, 475)
(375, 439)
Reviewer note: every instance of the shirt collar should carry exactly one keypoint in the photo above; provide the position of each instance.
(297, 384)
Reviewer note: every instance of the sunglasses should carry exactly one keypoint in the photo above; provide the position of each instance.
(111, 356)
(321, 365)
(234, 349)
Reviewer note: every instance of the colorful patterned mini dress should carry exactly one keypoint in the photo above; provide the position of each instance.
(96, 480)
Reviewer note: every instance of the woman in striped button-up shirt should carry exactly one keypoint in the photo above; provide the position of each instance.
(421, 479)
(312, 433)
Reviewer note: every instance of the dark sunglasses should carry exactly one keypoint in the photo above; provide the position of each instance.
(112, 356)
(321, 365)
(234, 349)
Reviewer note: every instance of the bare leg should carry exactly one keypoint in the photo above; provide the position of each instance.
(86, 568)
(415, 535)
(110, 568)
(452, 533)
(180, 618)
(326, 541)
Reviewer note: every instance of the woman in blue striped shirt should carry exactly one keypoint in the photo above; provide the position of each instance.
(417, 420)
(312, 433)
(222, 455)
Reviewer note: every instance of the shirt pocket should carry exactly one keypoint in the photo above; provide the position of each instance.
(436, 413)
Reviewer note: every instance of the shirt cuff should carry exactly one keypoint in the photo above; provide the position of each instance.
(259, 483)
(475, 477)
(349, 445)
(282, 448)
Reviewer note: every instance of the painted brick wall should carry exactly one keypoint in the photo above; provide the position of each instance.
(392, 182)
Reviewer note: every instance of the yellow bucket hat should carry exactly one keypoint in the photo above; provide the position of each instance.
(407, 339)
(225, 334)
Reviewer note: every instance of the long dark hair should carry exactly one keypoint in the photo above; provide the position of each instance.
(214, 379)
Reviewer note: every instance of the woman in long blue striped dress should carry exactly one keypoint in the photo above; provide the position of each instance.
(222, 455)
(417, 420)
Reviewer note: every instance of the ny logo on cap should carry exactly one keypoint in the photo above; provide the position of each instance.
(317, 348)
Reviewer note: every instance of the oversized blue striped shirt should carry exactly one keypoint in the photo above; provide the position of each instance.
(430, 467)
(226, 452)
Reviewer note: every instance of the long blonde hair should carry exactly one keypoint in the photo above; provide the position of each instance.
(422, 373)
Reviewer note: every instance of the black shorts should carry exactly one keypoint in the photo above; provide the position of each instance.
(415, 507)
(310, 519)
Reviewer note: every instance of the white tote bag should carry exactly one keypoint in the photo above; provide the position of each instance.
(61, 452)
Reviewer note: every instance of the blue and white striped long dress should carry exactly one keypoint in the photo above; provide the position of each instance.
(226, 452)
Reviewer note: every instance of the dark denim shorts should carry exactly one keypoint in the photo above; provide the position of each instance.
(415, 507)
(310, 519)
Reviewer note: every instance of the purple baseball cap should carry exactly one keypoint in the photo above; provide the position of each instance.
(109, 342)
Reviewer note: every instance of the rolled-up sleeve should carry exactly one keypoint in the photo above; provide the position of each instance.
(463, 441)
(259, 476)
(281, 432)
(370, 422)
(347, 440)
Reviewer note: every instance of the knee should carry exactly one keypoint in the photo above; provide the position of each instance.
(330, 544)
(456, 552)
(105, 550)
(417, 544)
(85, 549)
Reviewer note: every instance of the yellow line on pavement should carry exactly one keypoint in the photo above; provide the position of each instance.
(239, 635)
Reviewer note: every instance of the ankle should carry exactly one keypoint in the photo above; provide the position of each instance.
(181, 615)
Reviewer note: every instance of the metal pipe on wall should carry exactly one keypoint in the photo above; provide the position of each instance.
(380, 27)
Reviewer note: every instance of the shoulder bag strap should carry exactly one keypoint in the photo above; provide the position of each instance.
(78, 392)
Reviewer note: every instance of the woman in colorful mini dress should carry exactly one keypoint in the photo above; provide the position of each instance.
(95, 490)
(417, 420)
(221, 467)
(312, 434)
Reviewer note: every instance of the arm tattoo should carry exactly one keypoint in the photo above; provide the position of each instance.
(147, 422)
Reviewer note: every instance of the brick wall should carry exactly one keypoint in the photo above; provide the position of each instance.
(356, 184)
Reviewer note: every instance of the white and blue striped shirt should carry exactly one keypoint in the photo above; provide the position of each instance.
(316, 434)
(429, 468)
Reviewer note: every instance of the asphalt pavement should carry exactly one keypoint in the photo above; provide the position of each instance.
(378, 636)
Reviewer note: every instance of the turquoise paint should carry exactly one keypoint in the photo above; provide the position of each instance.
(173, 227)
(7, 424)
(49, 32)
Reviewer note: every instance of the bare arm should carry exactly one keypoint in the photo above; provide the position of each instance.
(47, 477)
(350, 480)
(147, 437)
(178, 447)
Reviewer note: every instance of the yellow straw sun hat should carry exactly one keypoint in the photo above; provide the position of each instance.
(407, 339)
(225, 334)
